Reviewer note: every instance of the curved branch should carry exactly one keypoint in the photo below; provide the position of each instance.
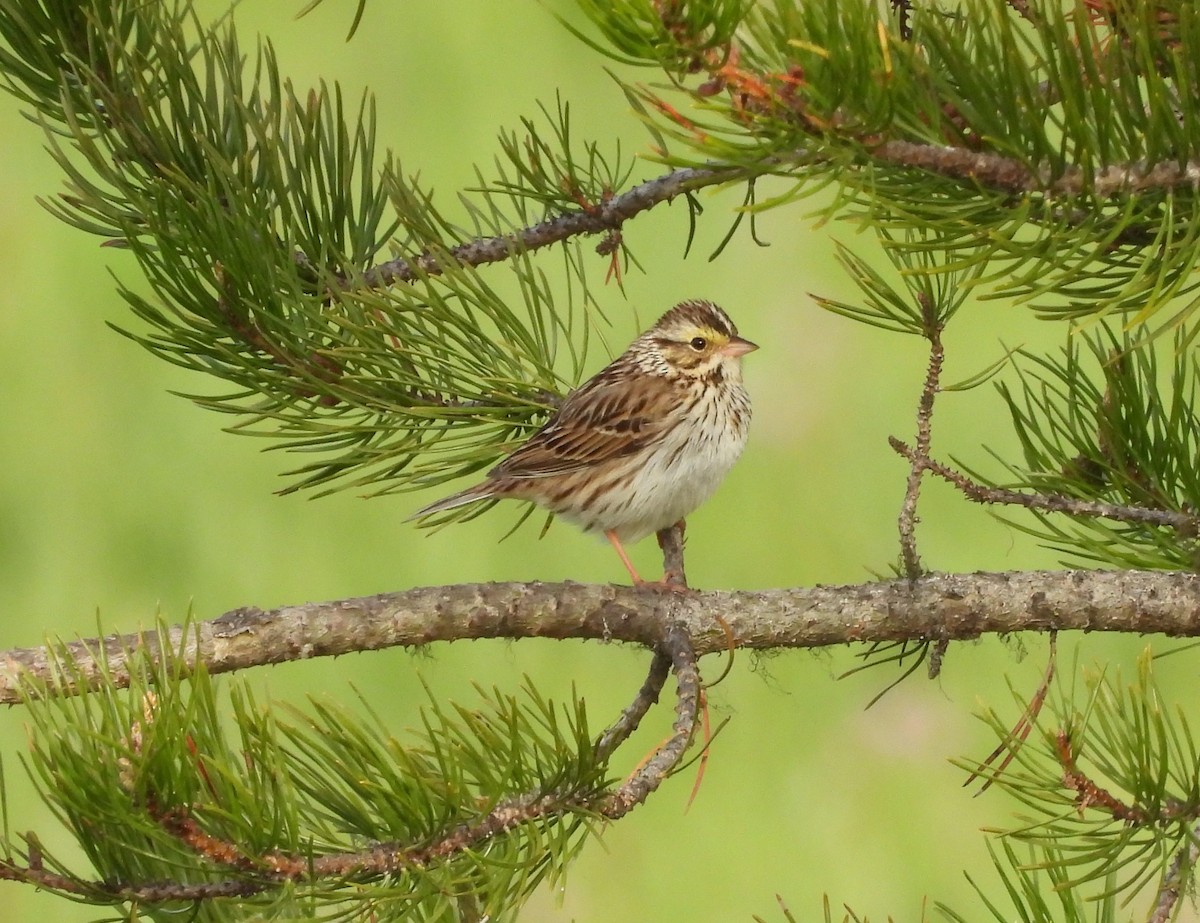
(677, 647)
(604, 216)
(951, 606)
(627, 722)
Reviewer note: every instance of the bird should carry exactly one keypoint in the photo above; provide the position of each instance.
(642, 443)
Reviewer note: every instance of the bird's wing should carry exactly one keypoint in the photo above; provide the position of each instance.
(606, 419)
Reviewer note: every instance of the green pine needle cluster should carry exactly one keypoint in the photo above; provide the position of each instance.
(258, 214)
(930, 293)
(1111, 785)
(1038, 889)
(1057, 148)
(174, 782)
(1045, 157)
(1114, 420)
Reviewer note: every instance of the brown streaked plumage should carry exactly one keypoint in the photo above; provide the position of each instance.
(641, 444)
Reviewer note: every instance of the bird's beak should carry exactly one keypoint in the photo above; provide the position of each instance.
(737, 347)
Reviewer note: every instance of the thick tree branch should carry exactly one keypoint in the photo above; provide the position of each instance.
(953, 606)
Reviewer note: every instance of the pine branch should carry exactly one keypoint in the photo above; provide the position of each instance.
(677, 646)
(1108, 782)
(993, 172)
(620, 730)
(1008, 174)
(671, 541)
(603, 216)
(912, 492)
(259, 874)
(1186, 523)
(1021, 8)
(954, 606)
(1175, 881)
(456, 802)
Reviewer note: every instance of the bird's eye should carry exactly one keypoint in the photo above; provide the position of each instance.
(699, 343)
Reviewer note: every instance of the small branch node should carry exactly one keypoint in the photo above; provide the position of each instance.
(1090, 794)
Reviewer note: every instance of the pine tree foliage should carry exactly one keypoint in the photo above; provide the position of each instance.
(1111, 787)
(1045, 154)
(1053, 146)
(1042, 148)
(233, 809)
(1042, 153)
(1103, 420)
(180, 146)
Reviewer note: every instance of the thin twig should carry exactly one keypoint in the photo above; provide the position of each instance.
(920, 457)
(975, 167)
(604, 216)
(937, 656)
(903, 11)
(1173, 882)
(147, 892)
(671, 542)
(618, 732)
(995, 171)
(1054, 503)
(1021, 8)
(1088, 793)
(678, 646)
(1015, 739)
(257, 874)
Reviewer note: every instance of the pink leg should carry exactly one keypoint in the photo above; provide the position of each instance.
(616, 543)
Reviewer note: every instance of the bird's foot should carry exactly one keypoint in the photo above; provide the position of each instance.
(670, 583)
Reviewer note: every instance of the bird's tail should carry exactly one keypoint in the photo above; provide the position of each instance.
(462, 498)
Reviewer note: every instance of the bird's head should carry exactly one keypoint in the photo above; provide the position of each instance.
(696, 339)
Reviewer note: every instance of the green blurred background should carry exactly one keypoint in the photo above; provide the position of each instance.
(119, 500)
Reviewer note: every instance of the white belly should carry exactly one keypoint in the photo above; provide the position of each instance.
(682, 472)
